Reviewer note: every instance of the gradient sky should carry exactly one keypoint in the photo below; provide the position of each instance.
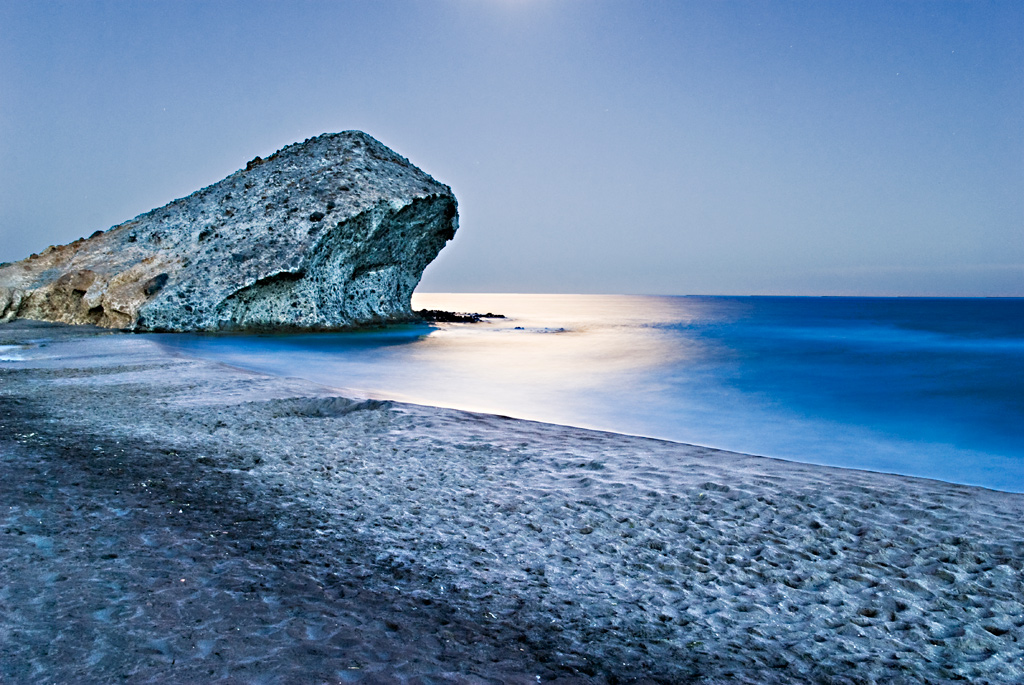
(840, 148)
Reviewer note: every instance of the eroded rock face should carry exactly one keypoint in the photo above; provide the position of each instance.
(329, 233)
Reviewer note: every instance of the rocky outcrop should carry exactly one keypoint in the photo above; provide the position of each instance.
(329, 233)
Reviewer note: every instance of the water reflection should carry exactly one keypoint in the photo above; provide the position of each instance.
(553, 358)
(550, 343)
(901, 386)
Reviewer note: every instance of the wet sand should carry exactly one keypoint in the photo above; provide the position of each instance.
(166, 519)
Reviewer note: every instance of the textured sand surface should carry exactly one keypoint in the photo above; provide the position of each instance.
(165, 519)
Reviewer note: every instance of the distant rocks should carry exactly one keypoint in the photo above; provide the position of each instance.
(440, 316)
(329, 233)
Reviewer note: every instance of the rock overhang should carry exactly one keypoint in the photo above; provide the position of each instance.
(329, 233)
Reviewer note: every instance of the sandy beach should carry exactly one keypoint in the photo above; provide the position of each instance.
(167, 519)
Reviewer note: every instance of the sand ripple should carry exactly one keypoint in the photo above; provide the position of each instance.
(169, 520)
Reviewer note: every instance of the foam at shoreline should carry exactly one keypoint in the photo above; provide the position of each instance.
(173, 520)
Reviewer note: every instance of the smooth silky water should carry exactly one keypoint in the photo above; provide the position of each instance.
(924, 387)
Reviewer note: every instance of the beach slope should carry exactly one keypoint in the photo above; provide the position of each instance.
(167, 519)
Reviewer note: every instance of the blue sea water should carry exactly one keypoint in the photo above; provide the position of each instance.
(924, 387)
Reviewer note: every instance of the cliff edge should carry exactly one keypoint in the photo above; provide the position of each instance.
(329, 233)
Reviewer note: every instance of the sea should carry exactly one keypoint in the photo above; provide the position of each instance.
(915, 386)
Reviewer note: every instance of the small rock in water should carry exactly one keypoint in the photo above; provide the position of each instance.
(440, 316)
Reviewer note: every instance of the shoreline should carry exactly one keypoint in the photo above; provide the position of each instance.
(169, 519)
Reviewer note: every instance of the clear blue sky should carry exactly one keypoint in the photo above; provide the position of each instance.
(858, 148)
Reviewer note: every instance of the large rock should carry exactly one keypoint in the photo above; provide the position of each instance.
(329, 233)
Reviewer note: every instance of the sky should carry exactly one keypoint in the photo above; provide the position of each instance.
(595, 146)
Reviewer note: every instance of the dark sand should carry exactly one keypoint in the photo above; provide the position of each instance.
(165, 519)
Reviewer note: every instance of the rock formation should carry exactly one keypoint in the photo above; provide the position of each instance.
(329, 233)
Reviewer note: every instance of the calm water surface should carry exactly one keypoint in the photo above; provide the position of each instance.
(926, 387)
